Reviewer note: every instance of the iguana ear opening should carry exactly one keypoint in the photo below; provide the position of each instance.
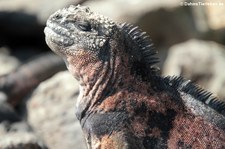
(141, 49)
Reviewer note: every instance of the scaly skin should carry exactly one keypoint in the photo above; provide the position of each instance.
(123, 103)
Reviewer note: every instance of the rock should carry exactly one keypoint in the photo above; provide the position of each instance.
(19, 141)
(200, 61)
(18, 136)
(21, 126)
(7, 113)
(51, 112)
(209, 19)
(215, 13)
(15, 141)
(13, 133)
(9, 62)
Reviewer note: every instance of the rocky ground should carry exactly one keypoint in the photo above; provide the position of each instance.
(39, 112)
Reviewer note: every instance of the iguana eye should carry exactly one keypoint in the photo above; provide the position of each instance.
(84, 26)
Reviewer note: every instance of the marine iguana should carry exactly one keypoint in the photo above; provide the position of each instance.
(123, 102)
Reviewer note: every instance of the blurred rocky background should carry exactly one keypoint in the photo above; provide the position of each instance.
(38, 95)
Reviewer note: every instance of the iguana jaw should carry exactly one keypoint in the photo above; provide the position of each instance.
(58, 34)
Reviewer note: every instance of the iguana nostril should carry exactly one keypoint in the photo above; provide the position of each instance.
(58, 16)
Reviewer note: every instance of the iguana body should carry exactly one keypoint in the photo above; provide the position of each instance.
(123, 103)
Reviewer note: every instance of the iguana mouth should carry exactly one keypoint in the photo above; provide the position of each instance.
(58, 34)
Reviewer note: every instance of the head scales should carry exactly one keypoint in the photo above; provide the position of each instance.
(77, 27)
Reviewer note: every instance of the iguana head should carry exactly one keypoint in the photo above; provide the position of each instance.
(88, 42)
(79, 35)
(78, 27)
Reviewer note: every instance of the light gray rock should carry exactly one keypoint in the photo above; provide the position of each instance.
(51, 112)
(18, 136)
(8, 63)
(209, 19)
(19, 141)
(200, 61)
(215, 14)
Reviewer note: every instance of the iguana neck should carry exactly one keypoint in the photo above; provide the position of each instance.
(102, 80)
(93, 88)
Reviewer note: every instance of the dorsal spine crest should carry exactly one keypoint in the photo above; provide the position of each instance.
(141, 47)
(198, 93)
